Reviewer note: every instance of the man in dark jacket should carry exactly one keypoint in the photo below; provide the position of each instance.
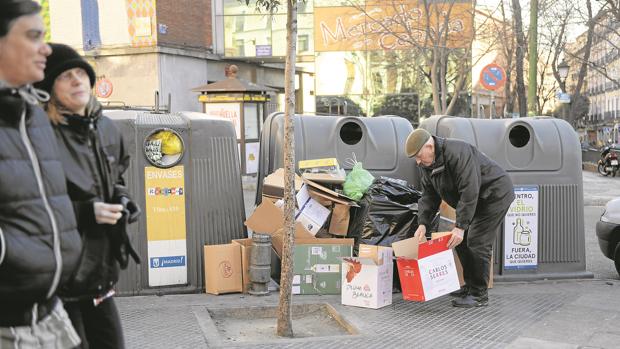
(480, 191)
(39, 243)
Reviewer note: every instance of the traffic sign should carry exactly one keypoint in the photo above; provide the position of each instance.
(563, 98)
(492, 77)
(103, 88)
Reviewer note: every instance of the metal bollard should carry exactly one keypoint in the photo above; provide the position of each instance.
(260, 264)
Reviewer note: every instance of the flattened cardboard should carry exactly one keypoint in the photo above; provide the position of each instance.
(269, 219)
(447, 217)
(321, 199)
(447, 211)
(273, 185)
(407, 248)
(223, 272)
(339, 224)
(317, 187)
(325, 177)
(376, 253)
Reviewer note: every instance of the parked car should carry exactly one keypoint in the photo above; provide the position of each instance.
(608, 232)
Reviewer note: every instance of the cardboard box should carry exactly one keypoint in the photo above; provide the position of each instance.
(223, 273)
(457, 261)
(447, 211)
(245, 246)
(367, 279)
(317, 265)
(311, 214)
(447, 217)
(269, 219)
(322, 170)
(273, 200)
(341, 205)
(273, 185)
(328, 193)
(325, 163)
(336, 178)
(426, 270)
(459, 266)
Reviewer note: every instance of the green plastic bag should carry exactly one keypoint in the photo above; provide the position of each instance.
(357, 182)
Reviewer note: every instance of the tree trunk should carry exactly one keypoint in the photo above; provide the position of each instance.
(458, 86)
(285, 322)
(533, 58)
(584, 65)
(518, 29)
(508, 43)
(442, 79)
(435, 82)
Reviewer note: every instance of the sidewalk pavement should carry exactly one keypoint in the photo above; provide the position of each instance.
(563, 314)
(544, 314)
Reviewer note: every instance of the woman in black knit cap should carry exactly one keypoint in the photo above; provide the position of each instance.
(94, 160)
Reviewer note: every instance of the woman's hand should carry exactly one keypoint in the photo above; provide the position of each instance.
(107, 213)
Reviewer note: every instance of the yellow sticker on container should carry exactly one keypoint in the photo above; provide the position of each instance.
(165, 203)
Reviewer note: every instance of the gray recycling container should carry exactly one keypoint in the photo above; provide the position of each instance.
(188, 199)
(377, 142)
(543, 233)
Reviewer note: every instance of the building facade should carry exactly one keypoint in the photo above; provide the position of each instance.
(355, 63)
(142, 47)
(603, 83)
(350, 61)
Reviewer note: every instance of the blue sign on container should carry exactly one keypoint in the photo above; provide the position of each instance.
(167, 262)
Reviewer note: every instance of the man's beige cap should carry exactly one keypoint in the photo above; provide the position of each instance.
(416, 141)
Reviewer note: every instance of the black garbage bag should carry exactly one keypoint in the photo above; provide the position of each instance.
(388, 212)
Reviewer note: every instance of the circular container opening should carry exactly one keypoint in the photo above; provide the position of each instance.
(164, 148)
(519, 136)
(351, 133)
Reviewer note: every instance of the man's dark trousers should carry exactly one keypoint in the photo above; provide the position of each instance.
(477, 246)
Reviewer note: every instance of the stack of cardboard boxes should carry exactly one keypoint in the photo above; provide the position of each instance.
(323, 260)
(322, 221)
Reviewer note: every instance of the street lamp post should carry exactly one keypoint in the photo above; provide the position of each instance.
(563, 73)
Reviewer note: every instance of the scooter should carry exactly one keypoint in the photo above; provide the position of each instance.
(608, 164)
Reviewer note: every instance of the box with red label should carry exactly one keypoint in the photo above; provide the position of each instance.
(367, 279)
(426, 270)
